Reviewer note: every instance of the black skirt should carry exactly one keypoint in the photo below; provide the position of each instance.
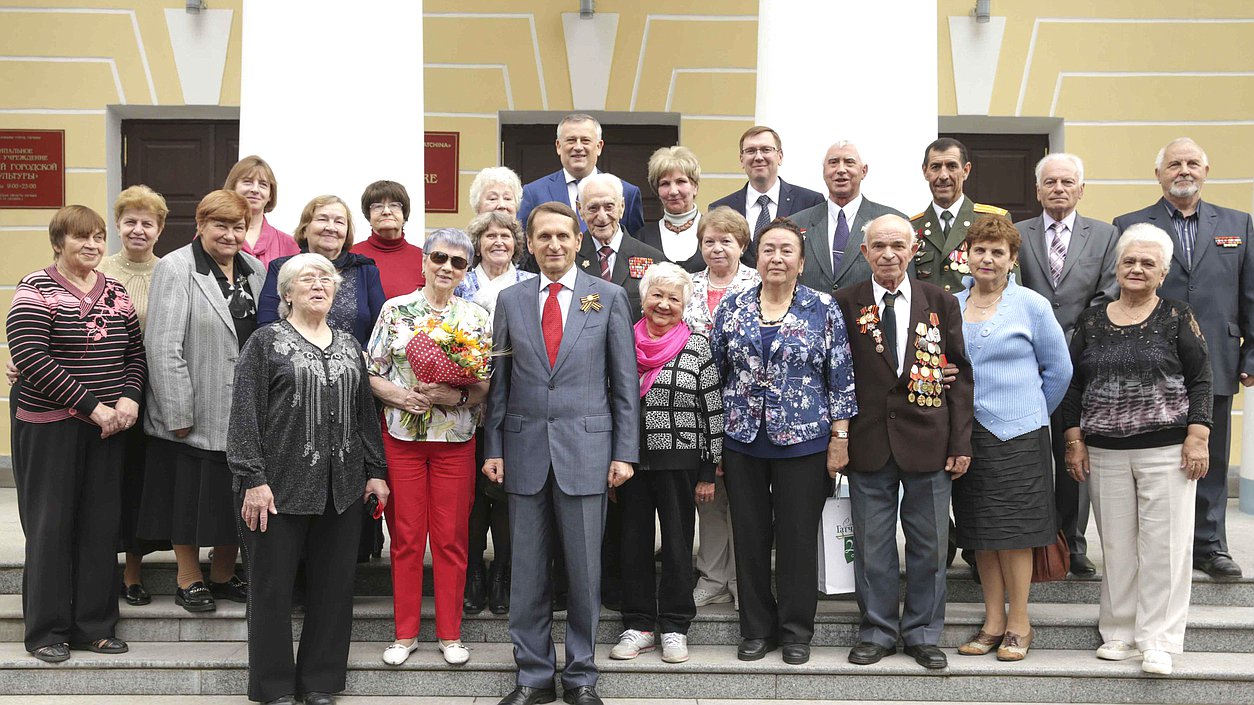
(134, 459)
(1006, 499)
(187, 496)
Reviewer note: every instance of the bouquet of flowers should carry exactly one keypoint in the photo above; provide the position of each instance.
(439, 351)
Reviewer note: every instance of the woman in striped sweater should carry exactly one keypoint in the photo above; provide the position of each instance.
(75, 339)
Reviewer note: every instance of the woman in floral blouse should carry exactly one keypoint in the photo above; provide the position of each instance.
(788, 396)
(429, 441)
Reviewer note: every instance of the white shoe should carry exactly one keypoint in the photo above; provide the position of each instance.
(396, 654)
(1155, 661)
(455, 653)
(703, 597)
(1116, 650)
(674, 647)
(631, 643)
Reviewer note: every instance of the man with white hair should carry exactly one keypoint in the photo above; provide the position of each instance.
(1213, 271)
(611, 253)
(1070, 260)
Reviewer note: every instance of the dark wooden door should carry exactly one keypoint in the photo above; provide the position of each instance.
(1002, 171)
(182, 160)
(529, 151)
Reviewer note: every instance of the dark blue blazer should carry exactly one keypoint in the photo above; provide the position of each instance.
(553, 188)
(792, 199)
(370, 296)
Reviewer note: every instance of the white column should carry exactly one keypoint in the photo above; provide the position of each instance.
(860, 71)
(331, 96)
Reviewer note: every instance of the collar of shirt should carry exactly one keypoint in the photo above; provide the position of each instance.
(952, 209)
(564, 296)
(614, 243)
(752, 195)
(1067, 222)
(1172, 210)
(850, 209)
(903, 293)
(567, 281)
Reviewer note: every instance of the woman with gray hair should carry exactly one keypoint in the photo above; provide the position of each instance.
(1138, 418)
(681, 443)
(496, 188)
(429, 443)
(675, 175)
(304, 449)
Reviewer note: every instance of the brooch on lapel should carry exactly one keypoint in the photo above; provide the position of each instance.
(585, 264)
(868, 323)
(637, 265)
(1228, 240)
(591, 302)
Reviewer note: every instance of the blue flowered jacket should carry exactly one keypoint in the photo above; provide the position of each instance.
(805, 380)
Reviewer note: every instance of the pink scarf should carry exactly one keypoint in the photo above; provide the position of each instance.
(653, 353)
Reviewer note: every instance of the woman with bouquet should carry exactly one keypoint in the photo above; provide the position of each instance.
(429, 366)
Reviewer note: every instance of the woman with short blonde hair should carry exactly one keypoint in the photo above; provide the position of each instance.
(675, 175)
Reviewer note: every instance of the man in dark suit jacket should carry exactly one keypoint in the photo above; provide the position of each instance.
(601, 203)
(1070, 260)
(579, 144)
(761, 154)
(558, 437)
(912, 434)
(842, 216)
(1213, 270)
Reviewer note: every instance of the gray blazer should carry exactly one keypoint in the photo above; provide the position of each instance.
(1088, 272)
(1218, 284)
(192, 349)
(576, 416)
(817, 273)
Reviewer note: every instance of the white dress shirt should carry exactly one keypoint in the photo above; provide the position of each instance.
(953, 210)
(833, 216)
(614, 243)
(901, 310)
(563, 297)
(751, 203)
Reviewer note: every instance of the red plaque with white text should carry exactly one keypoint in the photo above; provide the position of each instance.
(441, 171)
(32, 168)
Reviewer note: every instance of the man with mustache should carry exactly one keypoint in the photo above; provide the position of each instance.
(1212, 270)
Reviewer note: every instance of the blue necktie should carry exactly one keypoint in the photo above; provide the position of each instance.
(839, 240)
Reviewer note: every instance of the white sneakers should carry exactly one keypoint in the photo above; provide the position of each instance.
(1155, 661)
(631, 643)
(455, 653)
(396, 654)
(674, 647)
(703, 597)
(1116, 650)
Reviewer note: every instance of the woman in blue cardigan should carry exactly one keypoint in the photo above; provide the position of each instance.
(326, 228)
(1004, 504)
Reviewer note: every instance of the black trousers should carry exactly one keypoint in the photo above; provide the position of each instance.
(648, 605)
(69, 500)
(490, 511)
(271, 557)
(1210, 532)
(1070, 506)
(777, 502)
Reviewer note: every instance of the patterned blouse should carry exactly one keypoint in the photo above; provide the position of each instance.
(386, 352)
(1141, 385)
(698, 315)
(798, 386)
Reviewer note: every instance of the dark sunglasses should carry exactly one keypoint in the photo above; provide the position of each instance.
(440, 258)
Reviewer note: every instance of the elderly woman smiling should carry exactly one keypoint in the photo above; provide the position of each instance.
(496, 188)
(305, 449)
(682, 437)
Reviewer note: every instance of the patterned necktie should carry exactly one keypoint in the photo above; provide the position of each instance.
(551, 323)
(947, 221)
(764, 214)
(1185, 235)
(839, 240)
(1057, 253)
(604, 253)
(888, 323)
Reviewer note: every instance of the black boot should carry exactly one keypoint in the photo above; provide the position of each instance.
(476, 594)
(498, 586)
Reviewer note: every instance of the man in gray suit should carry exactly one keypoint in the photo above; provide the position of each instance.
(1070, 260)
(562, 427)
(833, 228)
(1214, 272)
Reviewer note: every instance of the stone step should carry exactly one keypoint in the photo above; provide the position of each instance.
(1057, 626)
(390, 700)
(220, 668)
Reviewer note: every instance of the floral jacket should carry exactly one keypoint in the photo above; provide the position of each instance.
(800, 385)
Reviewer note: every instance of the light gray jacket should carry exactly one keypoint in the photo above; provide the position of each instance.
(192, 349)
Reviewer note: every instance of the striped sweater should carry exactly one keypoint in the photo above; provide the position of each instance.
(74, 350)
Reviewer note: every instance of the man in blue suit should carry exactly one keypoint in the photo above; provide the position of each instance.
(1214, 272)
(562, 428)
(579, 144)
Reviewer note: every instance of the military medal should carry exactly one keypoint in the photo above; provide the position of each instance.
(868, 323)
(591, 302)
(637, 265)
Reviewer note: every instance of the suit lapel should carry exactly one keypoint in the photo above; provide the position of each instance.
(531, 318)
(1205, 240)
(209, 287)
(784, 209)
(918, 314)
(821, 241)
(1075, 250)
(866, 298)
(957, 229)
(855, 242)
(1036, 250)
(1158, 215)
(575, 319)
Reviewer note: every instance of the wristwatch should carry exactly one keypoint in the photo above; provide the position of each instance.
(465, 396)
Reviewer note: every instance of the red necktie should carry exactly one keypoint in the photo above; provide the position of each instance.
(551, 323)
(605, 253)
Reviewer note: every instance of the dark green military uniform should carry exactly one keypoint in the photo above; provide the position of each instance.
(933, 263)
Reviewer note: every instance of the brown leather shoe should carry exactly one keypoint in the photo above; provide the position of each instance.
(980, 644)
(1014, 647)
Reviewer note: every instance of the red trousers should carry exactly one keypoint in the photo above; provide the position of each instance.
(433, 488)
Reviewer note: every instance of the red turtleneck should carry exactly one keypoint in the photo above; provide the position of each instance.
(399, 262)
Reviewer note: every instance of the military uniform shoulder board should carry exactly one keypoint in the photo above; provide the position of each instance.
(984, 208)
(916, 217)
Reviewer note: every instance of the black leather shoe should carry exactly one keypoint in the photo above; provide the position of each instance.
(498, 586)
(235, 590)
(1218, 565)
(865, 653)
(583, 695)
(52, 653)
(136, 595)
(754, 649)
(475, 597)
(558, 603)
(285, 700)
(796, 654)
(526, 695)
(319, 699)
(927, 656)
(195, 598)
(1082, 567)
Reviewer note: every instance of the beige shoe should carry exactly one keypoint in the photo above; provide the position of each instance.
(980, 644)
(1014, 647)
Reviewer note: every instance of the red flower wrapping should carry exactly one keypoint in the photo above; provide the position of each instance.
(432, 366)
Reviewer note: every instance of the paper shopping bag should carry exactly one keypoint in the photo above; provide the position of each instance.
(836, 545)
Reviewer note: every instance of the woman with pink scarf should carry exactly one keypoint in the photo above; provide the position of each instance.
(681, 443)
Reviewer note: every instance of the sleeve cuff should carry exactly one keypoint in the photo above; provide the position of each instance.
(86, 405)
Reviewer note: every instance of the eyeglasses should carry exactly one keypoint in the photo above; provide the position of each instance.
(310, 279)
(754, 151)
(439, 258)
(393, 206)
